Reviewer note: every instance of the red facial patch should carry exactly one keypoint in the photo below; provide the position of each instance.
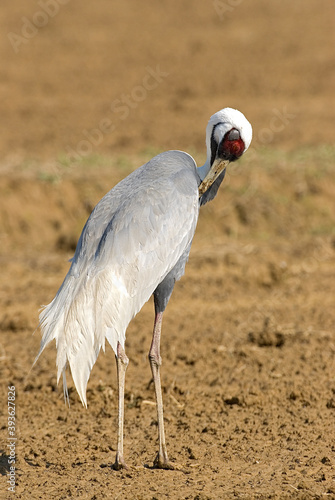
(236, 147)
(231, 150)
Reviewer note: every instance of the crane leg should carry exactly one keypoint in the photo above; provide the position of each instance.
(161, 460)
(121, 365)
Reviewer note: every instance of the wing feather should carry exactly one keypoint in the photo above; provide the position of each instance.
(133, 238)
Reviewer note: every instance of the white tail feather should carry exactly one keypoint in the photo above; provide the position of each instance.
(79, 333)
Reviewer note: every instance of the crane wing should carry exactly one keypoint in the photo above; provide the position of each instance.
(133, 238)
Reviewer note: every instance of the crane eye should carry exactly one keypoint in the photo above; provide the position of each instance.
(233, 135)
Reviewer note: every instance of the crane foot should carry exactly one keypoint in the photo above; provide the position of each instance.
(119, 464)
(162, 462)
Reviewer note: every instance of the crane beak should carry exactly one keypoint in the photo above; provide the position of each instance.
(218, 166)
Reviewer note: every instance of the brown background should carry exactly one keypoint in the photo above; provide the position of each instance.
(248, 338)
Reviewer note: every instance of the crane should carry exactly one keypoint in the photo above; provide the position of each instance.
(136, 243)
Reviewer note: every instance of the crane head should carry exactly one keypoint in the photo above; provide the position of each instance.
(228, 136)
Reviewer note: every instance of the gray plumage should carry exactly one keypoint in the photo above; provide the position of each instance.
(137, 234)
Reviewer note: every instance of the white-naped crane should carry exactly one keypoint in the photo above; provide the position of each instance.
(136, 243)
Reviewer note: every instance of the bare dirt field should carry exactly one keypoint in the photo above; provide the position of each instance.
(89, 91)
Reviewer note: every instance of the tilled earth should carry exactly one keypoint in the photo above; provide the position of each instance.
(248, 336)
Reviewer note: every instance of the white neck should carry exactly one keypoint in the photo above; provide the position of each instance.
(220, 130)
(203, 171)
